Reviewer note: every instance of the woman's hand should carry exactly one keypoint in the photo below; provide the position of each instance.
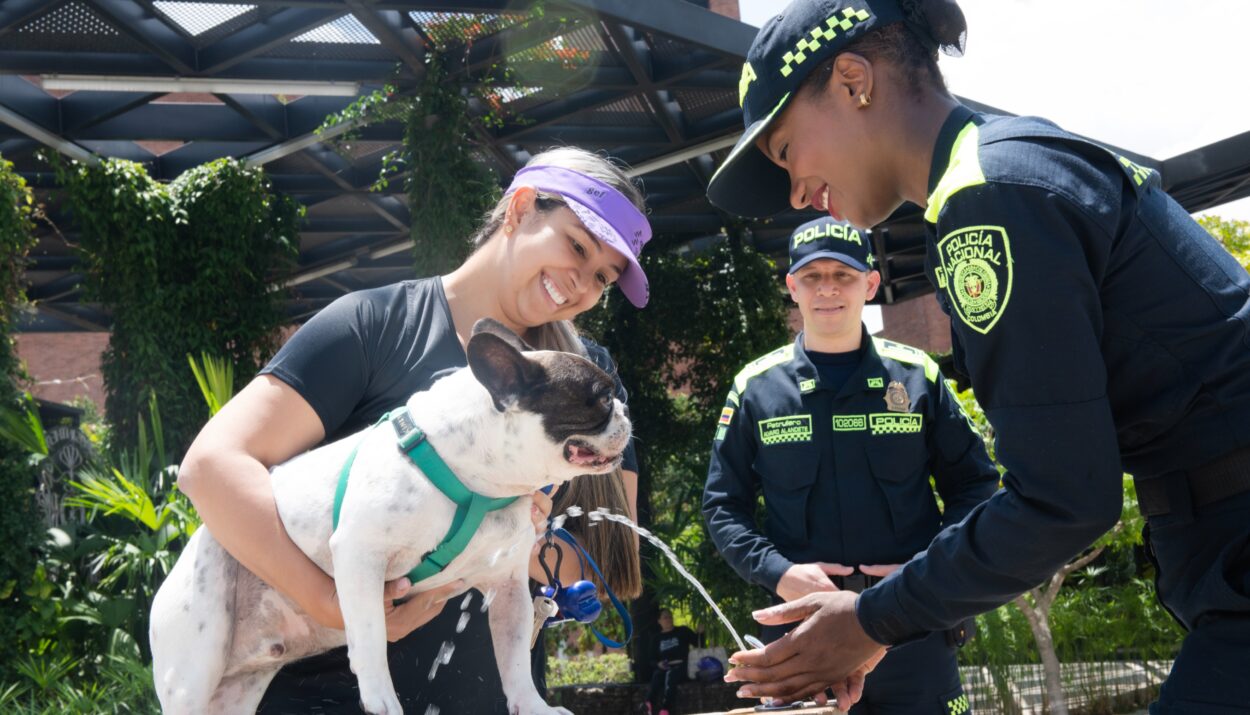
(401, 619)
(540, 512)
(406, 617)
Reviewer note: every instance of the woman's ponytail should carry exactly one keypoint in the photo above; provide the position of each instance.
(938, 24)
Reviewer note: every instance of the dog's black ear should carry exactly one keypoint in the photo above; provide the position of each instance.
(500, 367)
(499, 330)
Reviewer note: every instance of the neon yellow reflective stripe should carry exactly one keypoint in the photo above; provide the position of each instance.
(909, 355)
(744, 82)
(733, 398)
(833, 24)
(760, 365)
(963, 171)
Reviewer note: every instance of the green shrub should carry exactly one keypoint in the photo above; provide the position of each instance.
(23, 616)
(190, 267)
(588, 669)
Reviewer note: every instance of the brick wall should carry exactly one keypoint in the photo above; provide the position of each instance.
(728, 8)
(918, 322)
(63, 366)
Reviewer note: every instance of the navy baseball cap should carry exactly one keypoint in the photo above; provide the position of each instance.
(829, 238)
(788, 47)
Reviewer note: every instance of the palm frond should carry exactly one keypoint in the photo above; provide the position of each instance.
(215, 376)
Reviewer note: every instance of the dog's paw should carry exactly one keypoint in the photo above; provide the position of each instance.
(380, 704)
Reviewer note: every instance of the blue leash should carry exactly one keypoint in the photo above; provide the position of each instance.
(582, 560)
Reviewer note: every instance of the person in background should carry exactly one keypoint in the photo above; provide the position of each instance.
(672, 649)
(840, 432)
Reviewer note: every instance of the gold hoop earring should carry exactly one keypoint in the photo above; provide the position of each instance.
(864, 100)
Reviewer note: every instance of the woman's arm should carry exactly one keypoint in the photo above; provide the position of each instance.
(226, 476)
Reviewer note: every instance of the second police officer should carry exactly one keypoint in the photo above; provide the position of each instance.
(841, 431)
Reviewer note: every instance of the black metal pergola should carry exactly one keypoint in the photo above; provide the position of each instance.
(652, 82)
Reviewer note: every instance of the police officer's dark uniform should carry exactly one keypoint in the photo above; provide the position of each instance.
(844, 469)
(1104, 331)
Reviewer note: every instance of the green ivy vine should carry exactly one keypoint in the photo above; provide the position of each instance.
(447, 183)
(194, 266)
(20, 529)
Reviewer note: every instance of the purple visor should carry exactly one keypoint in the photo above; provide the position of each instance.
(605, 212)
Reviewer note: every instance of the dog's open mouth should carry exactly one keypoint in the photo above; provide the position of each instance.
(582, 454)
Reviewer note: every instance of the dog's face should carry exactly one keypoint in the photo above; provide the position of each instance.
(562, 402)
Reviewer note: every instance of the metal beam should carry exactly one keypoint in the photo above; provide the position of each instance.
(679, 156)
(262, 37)
(38, 133)
(291, 146)
(30, 101)
(67, 317)
(681, 20)
(15, 13)
(82, 110)
(637, 57)
(394, 33)
(150, 31)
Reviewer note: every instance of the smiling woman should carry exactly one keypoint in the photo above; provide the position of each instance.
(570, 225)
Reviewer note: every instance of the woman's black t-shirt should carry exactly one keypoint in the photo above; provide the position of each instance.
(365, 354)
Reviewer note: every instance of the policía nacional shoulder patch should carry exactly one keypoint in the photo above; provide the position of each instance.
(974, 269)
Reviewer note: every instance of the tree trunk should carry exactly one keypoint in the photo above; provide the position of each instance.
(1039, 622)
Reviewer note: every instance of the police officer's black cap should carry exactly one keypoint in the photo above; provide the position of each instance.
(829, 238)
(788, 47)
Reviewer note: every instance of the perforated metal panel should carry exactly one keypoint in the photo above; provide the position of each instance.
(699, 104)
(196, 18)
(70, 26)
(445, 28)
(346, 30)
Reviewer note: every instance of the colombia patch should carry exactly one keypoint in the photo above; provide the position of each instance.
(975, 269)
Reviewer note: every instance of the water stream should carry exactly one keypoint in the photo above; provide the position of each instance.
(602, 513)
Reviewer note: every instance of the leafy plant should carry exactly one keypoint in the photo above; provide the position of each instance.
(582, 669)
(20, 425)
(1039, 605)
(190, 267)
(20, 530)
(216, 380)
(1234, 235)
(141, 521)
(710, 314)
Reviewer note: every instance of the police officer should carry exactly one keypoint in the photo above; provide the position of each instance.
(841, 432)
(1104, 332)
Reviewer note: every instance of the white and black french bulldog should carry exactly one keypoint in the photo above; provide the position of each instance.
(507, 425)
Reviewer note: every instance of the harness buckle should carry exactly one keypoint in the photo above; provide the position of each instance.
(409, 434)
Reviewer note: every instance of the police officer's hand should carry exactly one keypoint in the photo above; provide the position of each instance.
(802, 579)
(828, 649)
(879, 570)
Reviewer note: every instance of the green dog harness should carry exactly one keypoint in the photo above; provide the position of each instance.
(471, 507)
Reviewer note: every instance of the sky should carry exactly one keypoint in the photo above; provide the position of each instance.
(1120, 73)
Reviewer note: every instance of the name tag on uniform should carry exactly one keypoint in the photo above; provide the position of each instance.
(895, 424)
(785, 430)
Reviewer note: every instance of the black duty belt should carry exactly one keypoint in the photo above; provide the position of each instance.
(856, 582)
(1198, 487)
